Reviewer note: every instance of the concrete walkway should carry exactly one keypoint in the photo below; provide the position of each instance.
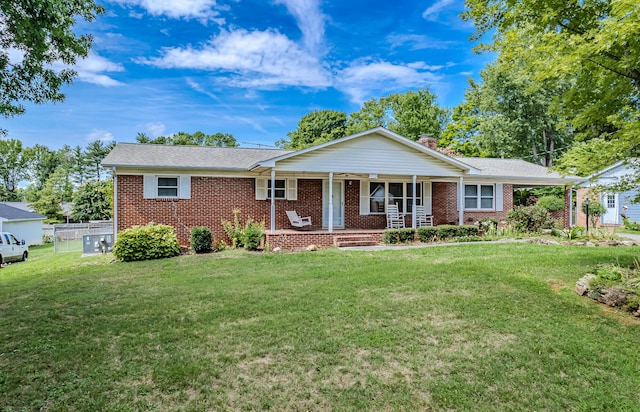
(635, 238)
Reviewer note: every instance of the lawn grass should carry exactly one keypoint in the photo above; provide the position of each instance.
(465, 327)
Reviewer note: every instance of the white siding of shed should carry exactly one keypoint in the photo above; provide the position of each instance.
(369, 154)
(28, 230)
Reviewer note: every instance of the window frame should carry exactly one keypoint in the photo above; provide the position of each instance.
(278, 189)
(159, 187)
(405, 202)
(479, 196)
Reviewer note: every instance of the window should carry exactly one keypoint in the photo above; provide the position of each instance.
(167, 187)
(281, 189)
(381, 193)
(611, 201)
(478, 197)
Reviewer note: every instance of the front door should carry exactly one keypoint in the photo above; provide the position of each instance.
(611, 203)
(338, 203)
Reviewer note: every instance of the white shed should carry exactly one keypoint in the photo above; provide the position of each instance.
(23, 224)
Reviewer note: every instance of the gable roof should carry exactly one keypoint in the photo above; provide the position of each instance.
(187, 157)
(517, 169)
(13, 213)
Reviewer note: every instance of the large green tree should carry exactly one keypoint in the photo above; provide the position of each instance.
(593, 45)
(510, 114)
(409, 114)
(35, 34)
(14, 167)
(93, 201)
(317, 127)
(49, 199)
(94, 155)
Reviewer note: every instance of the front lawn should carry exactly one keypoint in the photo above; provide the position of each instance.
(464, 327)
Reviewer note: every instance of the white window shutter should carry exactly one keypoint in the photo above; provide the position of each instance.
(261, 188)
(457, 196)
(292, 189)
(499, 198)
(364, 197)
(185, 187)
(149, 189)
(426, 197)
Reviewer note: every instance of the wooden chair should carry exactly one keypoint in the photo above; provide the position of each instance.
(422, 219)
(298, 221)
(395, 219)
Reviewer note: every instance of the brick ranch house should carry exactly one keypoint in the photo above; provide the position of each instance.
(343, 185)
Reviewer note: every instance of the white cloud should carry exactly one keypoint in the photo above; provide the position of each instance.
(102, 135)
(261, 59)
(310, 20)
(432, 13)
(202, 10)
(90, 70)
(362, 80)
(156, 129)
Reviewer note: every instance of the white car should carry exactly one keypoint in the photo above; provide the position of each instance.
(12, 249)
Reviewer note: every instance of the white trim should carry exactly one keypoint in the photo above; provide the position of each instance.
(273, 200)
(498, 197)
(364, 197)
(115, 205)
(478, 197)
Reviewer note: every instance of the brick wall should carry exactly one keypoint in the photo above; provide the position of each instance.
(213, 199)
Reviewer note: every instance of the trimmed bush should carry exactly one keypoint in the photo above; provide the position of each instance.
(201, 239)
(446, 231)
(530, 218)
(551, 203)
(394, 236)
(467, 230)
(146, 242)
(427, 234)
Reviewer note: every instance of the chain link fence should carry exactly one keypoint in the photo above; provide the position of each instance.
(69, 237)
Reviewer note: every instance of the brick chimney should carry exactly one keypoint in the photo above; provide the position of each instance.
(428, 141)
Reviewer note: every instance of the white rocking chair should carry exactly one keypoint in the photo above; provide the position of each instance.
(298, 221)
(395, 219)
(422, 219)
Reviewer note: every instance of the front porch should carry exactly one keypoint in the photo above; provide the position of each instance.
(299, 239)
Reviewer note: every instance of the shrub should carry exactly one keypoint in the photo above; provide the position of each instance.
(596, 209)
(393, 236)
(551, 203)
(488, 225)
(446, 231)
(146, 242)
(47, 239)
(248, 235)
(427, 234)
(628, 224)
(219, 246)
(201, 239)
(530, 218)
(467, 230)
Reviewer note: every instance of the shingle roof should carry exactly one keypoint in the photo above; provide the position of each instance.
(187, 157)
(508, 167)
(13, 213)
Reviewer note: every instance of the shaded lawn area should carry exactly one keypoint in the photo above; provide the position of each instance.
(467, 327)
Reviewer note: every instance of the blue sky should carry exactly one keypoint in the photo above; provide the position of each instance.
(248, 67)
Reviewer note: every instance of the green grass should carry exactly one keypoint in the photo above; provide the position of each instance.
(465, 327)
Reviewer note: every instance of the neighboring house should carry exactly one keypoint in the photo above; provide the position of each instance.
(66, 208)
(23, 224)
(616, 203)
(342, 184)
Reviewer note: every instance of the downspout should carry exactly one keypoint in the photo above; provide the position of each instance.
(115, 205)
(413, 209)
(461, 201)
(330, 202)
(273, 201)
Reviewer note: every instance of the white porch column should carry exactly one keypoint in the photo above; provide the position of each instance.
(330, 202)
(273, 200)
(570, 207)
(461, 201)
(115, 205)
(413, 209)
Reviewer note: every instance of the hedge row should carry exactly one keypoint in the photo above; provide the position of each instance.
(429, 233)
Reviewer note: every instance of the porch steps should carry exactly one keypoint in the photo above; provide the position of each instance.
(354, 240)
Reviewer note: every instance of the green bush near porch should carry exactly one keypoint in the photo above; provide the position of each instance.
(395, 236)
(146, 242)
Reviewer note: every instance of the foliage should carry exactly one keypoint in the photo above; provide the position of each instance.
(551, 203)
(315, 128)
(395, 236)
(530, 218)
(593, 47)
(630, 225)
(14, 163)
(42, 34)
(153, 241)
(95, 153)
(248, 235)
(488, 225)
(409, 114)
(196, 139)
(427, 234)
(201, 239)
(50, 198)
(506, 116)
(596, 210)
(93, 201)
